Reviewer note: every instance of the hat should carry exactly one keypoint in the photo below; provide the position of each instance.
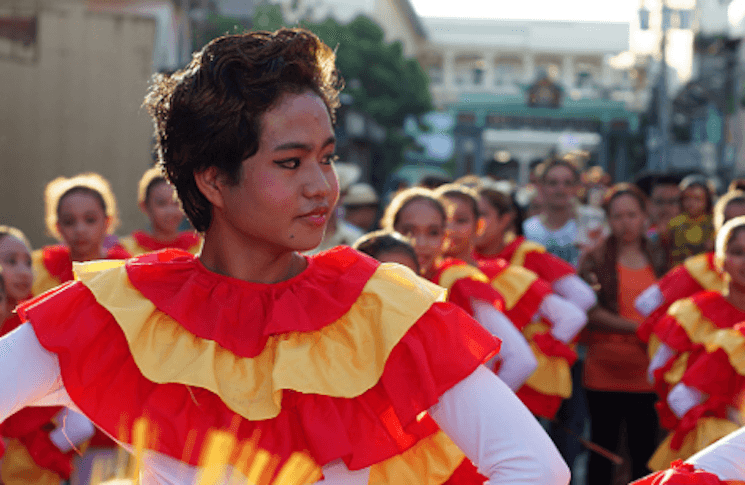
(348, 173)
(360, 194)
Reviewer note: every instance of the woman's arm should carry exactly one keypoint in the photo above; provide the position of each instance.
(518, 361)
(28, 372)
(574, 289)
(498, 433)
(566, 318)
(602, 319)
(725, 458)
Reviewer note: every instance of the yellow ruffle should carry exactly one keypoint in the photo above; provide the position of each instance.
(707, 431)
(512, 283)
(18, 468)
(431, 461)
(553, 376)
(454, 273)
(733, 343)
(338, 360)
(709, 278)
(43, 281)
(130, 244)
(652, 346)
(679, 367)
(698, 328)
(526, 247)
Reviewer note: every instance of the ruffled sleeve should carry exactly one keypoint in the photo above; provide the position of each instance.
(683, 474)
(301, 373)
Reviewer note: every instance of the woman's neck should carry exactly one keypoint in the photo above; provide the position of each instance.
(736, 295)
(492, 247)
(163, 236)
(466, 256)
(229, 255)
(555, 218)
(83, 257)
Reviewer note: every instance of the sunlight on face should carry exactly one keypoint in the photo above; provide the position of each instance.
(420, 221)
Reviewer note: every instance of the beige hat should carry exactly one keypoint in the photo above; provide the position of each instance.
(348, 174)
(361, 194)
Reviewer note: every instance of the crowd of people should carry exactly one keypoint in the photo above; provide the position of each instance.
(311, 330)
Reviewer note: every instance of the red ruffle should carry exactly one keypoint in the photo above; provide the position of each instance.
(493, 267)
(185, 241)
(680, 474)
(181, 287)
(442, 348)
(551, 347)
(712, 374)
(538, 403)
(465, 290)
(466, 474)
(714, 407)
(713, 306)
(58, 263)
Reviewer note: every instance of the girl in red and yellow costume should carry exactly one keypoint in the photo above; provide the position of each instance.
(80, 212)
(690, 327)
(40, 439)
(526, 296)
(333, 356)
(495, 241)
(697, 273)
(158, 201)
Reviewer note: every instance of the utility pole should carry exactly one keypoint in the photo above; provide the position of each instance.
(663, 109)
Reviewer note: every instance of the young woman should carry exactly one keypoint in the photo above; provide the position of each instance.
(251, 337)
(691, 326)
(691, 232)
(40, 439)
(621, 267)
(495, 240)
(697, 273)
(388, 247)
(80, 212)
(157, 199)
(420, 213)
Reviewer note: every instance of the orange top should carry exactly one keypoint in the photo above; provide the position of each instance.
(618, 361)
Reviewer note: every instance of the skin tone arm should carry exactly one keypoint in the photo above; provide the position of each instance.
(602, 319)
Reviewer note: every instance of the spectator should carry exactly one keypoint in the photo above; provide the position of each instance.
(361, 206)
(664, 198)
(692, 231)
(621, 267)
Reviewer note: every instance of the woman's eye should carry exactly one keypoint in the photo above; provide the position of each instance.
(90, 220)
(290, 163)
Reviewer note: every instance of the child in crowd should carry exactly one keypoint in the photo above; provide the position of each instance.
(157, 199)
(691, 232)
(389, 247)
(80, 212)
(15, 261)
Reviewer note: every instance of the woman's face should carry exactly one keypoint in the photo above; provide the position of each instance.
(626, 218)
(461, 227)
(734, 258)
(424, 225)
(15, 259)
(163, 209)
(82, 222)
(494, 224)
(694, 201)
(287, 190)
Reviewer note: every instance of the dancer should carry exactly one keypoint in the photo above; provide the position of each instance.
(333, 356)
(420, 214)
(158, 201)
(40, 439)
(687, 329)
(80, 212)
(697, 273)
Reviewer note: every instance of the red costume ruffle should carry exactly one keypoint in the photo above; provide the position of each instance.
(464, 290)
(683, 474)
(440, 349)
(59, 265)
(185, 241)
(548, 267)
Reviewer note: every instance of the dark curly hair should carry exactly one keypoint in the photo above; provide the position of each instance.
(209, 113)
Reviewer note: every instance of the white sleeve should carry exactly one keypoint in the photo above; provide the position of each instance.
(682, 398)
(498, 433)
(576, 290)
(518, 361)
(565, 317)
(725, 458)
(659, 359)
(28, 372)
(649, 300)
(73, 430)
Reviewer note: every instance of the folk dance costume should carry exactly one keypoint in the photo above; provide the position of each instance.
(140, 242)
(195, 351)
(695, 274)
(52, 265)
(689, 326)
(548, 323)
(561, 275)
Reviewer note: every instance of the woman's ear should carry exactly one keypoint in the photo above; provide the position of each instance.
(211, 186)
